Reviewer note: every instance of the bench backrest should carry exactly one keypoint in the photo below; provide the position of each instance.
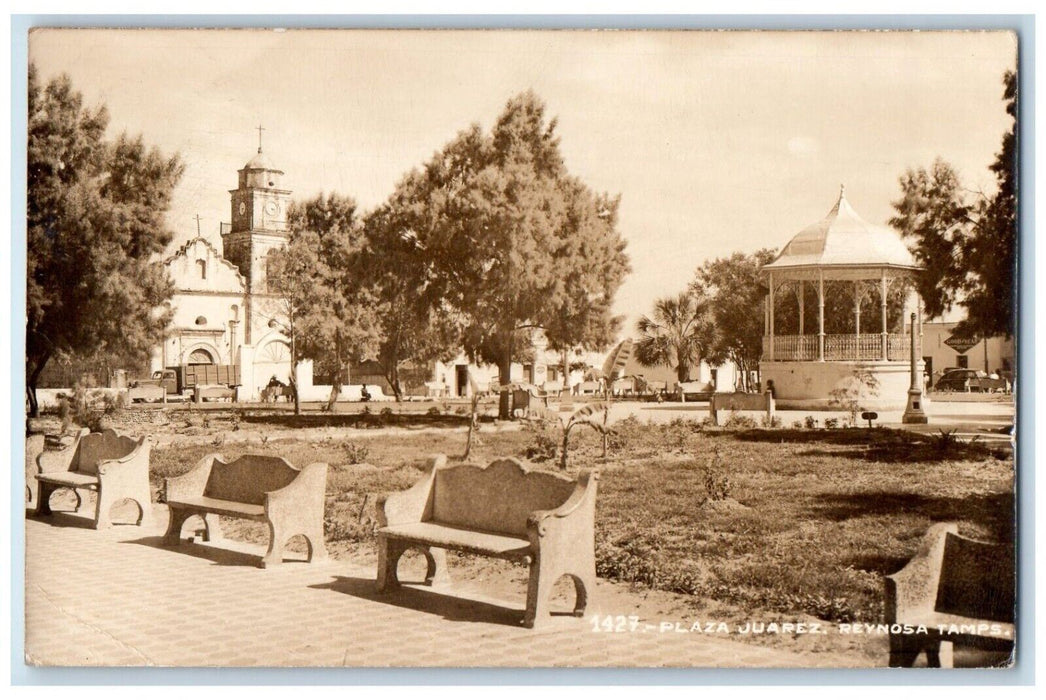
(977, 579)
(98, 447)
(741, 402)
(247, 478)
(498, 498)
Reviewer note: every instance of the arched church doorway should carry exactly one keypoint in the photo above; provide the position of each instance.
(273, 360)
(199, 356)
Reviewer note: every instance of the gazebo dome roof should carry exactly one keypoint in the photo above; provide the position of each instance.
(843, 240)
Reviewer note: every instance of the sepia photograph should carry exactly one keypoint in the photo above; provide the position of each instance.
(450, 348)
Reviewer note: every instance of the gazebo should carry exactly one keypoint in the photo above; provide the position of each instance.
(863, 262)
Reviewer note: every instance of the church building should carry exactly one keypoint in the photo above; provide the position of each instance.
(224, 313)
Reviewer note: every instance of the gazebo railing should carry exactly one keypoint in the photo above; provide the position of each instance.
(842, 346)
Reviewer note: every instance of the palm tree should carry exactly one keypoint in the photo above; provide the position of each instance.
(677, 335)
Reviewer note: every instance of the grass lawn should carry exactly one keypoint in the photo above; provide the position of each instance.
(795, 522)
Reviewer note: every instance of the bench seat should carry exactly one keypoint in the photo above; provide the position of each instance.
(218, 506)
(114, 466)
(951, 580)
(70, 479)
(503, 510)
(491, 544)
(264, 488)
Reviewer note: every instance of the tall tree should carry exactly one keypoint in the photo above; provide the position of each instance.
(419, 326)
(736, 293)
(678, 333)
(593, 265)
(967, 243)
(95, 226)
(328, 301)
(493, 213)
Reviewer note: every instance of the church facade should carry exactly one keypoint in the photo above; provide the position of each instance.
(224, 313)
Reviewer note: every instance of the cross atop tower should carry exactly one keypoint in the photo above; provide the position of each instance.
(197, 217)
(260, 129)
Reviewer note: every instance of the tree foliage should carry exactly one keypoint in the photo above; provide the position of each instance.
(512, 238)
(678, 333)
(736, 295)
(328, 301)
(966, 242)
(95, 226)
(419, 326)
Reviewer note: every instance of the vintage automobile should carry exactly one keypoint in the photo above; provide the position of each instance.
(970, 380)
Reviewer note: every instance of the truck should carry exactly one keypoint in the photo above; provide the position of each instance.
(180, 381)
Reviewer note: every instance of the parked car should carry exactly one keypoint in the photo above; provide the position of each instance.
(970, 380)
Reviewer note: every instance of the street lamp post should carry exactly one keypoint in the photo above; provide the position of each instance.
(913, 412)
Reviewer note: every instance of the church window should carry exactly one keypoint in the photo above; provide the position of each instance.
(202, 266)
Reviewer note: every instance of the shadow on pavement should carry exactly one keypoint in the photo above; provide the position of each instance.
(449, 605)
(211, 552)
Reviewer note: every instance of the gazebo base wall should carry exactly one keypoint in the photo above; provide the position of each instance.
(808, 385)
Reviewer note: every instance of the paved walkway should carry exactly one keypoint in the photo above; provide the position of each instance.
(117, 598)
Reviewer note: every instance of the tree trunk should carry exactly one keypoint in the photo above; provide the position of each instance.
(336, 385)
(394, 382)
(30, 385)
(563, 448)
(682, 372)
(294, 377)
(566, 373)
(504, 378)
(505, 397)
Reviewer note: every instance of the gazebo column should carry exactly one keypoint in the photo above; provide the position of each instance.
(885, 334)
(801, 307)
(820, 315)
(773, 357)
(857, 319)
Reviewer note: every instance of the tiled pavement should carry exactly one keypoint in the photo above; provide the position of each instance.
(117, 598)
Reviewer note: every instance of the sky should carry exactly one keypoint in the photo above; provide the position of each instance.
(716, 141)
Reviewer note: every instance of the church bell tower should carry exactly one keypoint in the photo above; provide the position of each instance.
(259, 219)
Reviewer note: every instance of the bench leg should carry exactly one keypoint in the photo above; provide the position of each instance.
(940, 655)
(437, 573)
(212, 529)
(317, 545)
(904, 650)
(43, 498)
(538, 589)
(174, 526)
(389, 553)
(277, 540)
(102, 505)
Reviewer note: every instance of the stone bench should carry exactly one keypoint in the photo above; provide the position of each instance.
(115, 466)
(960, 590)
(502, 511)
(739, 401)
(255, 487)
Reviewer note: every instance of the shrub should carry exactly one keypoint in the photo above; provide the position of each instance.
(386, 412)
(717, 481)
(544, 447)
(739, 421)
(831, 423)
(810, 422)
(852, 392)
(433, 411)
(774, 422)
(355, 453)
(797, 425)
